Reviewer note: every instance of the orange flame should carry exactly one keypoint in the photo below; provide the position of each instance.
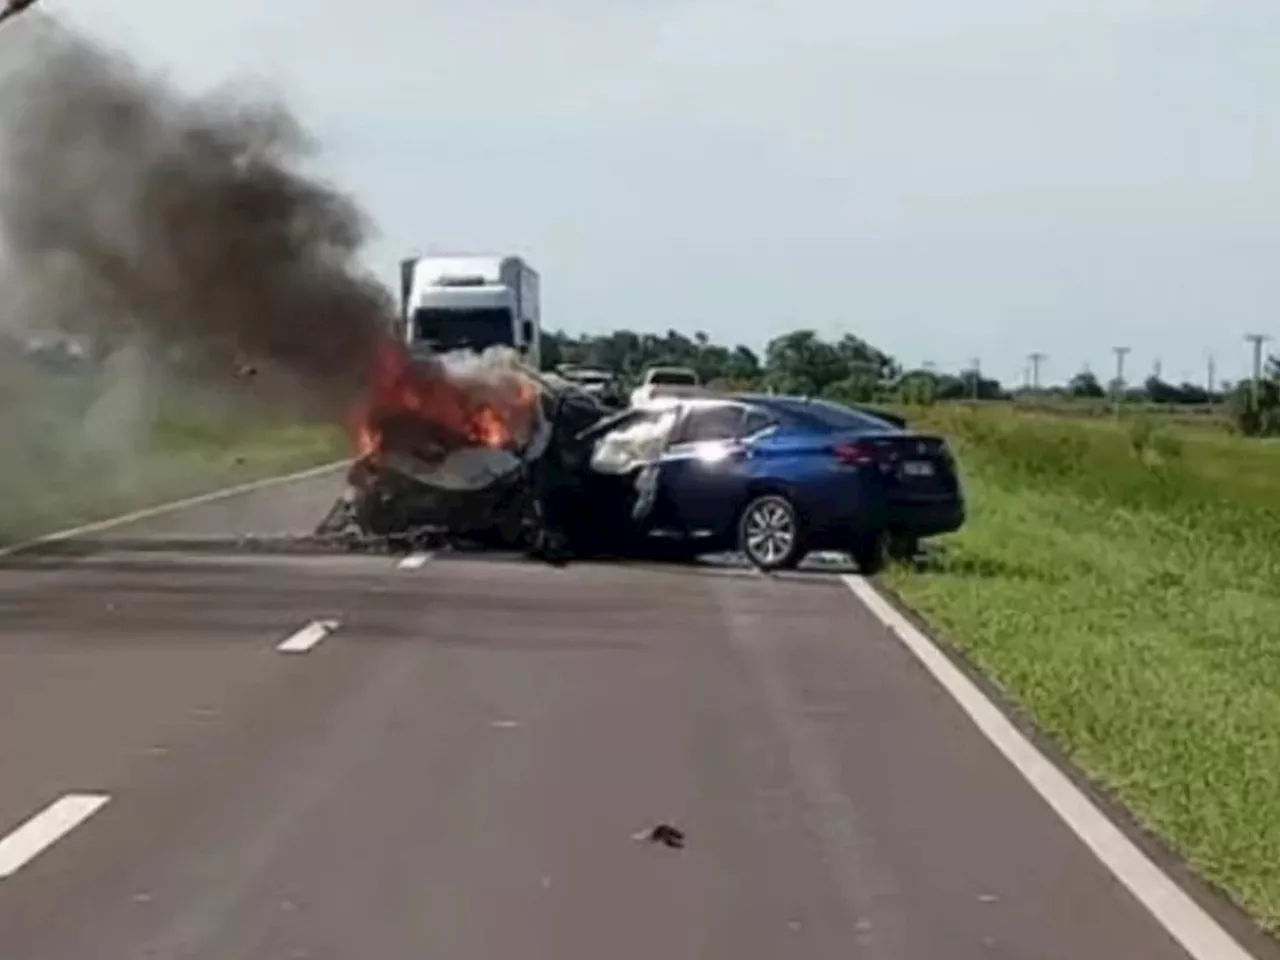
(491, 411)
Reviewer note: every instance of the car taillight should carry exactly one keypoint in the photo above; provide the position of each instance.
(855, 454)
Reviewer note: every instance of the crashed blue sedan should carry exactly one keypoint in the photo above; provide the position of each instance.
(776, 478)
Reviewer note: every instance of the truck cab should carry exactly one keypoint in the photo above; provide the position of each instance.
(471, 303)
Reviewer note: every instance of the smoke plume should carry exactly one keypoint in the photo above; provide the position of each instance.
(134, 216)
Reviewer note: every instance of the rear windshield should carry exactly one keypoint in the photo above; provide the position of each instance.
(673, 378)
(833, 416)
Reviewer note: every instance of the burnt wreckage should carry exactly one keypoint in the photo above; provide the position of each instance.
(576, 487)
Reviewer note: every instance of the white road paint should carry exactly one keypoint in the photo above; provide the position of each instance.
(44, 829)
(307, 638)
(1185, 920)
(415, 561)
(172, 506)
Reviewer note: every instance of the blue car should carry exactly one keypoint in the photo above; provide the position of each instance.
(778, 477)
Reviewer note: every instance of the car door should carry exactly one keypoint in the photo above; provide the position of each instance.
(705, 468)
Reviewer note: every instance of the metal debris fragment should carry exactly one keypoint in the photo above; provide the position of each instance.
(664, 834)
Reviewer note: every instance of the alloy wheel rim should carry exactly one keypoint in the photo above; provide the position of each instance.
(770, 532)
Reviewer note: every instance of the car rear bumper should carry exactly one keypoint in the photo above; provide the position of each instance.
(929, 518)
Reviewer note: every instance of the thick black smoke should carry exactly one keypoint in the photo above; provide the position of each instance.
(131, 213)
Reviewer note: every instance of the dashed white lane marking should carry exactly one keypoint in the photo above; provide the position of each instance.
(44, 829)
(306, 638)
(1184, 919)
(415, 561)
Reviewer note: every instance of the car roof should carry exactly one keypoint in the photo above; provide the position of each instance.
(794, 405)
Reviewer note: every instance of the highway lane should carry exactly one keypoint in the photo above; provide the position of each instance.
(460, 767)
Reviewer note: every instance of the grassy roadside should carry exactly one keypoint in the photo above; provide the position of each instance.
(1119, 582)
(178, 456)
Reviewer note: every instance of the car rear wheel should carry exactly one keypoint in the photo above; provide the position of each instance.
(769, 533)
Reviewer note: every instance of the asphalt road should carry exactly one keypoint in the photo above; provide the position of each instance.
(460, 767)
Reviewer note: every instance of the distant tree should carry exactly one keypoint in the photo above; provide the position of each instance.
(1158, 391)
(865, 361)
(1260, 419)
(1195, 394)
(742, 364)
(919, 387)
(802, 362)
(1085, 385)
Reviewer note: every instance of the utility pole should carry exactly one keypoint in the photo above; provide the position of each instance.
(1212, 377)
(1156, 369)
(1121, 353)
(1036, 359)
(977, 378)
(1257, 339)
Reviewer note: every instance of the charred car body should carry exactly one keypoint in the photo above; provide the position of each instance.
(771, 477)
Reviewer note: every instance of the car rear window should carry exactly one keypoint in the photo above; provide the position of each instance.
(833, 416)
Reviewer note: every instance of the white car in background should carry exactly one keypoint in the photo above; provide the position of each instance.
(663, 383)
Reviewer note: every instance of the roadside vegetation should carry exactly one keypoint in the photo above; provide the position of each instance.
(175, 459)
(79, 448)
(853, 371)
(1118, 579)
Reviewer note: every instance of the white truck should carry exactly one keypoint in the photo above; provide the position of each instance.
(471, 303)
(667, 383)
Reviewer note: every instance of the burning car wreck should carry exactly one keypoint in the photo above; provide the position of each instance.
(491, 454)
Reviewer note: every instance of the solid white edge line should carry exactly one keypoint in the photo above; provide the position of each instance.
(415, 561)
(308, 637)
(172, 506)
(30, 839)
(1184, 919)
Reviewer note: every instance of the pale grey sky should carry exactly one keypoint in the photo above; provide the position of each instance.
(945, 178)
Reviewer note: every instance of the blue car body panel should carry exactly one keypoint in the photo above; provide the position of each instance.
(703, 485)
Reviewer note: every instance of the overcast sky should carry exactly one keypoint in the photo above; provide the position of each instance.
(945, 178)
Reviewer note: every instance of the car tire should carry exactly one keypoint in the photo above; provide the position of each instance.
(770, 534)
(870, 551)
(376, 515)
(903, 548)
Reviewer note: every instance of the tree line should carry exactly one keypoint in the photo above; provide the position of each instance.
(851, 370)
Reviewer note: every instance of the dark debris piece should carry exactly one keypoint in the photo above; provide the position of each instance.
(665, 834)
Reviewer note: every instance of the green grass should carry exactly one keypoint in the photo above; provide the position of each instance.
(1119, 583)
(55, 477)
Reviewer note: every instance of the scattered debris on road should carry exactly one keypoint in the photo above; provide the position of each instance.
(664, 834)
